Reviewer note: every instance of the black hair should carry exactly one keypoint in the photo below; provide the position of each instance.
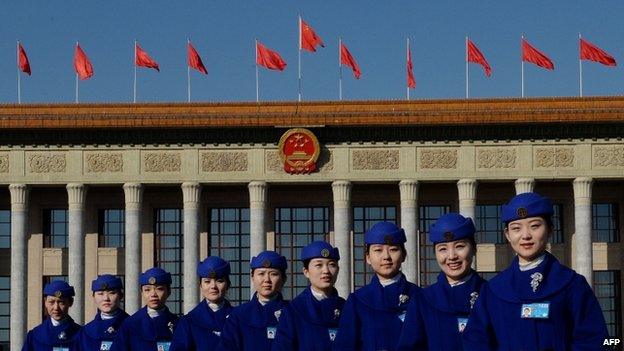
(547, 219)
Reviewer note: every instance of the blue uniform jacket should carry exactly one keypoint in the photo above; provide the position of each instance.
(201, 328)
(575, 320)
(251, 326)
(99, 333)
(46, 337)
(139, 332)
(432, 319)
(309, 324)
(372, 317)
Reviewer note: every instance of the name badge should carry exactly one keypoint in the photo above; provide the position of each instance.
(106, 345)
(60, 349)
(332, 333)
(535, 310)
(402, 317)
(271, 332)
(461, 324)
(163, 345)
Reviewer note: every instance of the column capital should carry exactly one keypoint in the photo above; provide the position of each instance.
(341, 190)
(524, 185)
(19, 196)
(582, 190)
(408, 188)
(76, 194)
(467, 189)
(258, 193)
(191, 192)
(133, 193)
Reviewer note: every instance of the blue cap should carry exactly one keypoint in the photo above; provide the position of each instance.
(59, 288)
(155, 276)
(319, 249)
(106, 282)
(213, 267)
(451, 227)
(527, 205)
(269, 259)
(385, 233)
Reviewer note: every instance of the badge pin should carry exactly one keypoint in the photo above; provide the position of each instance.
(58, 293)
(277, 314)
(336, 313)
(388, 240)
(473, 298)
(104, 286)
(152, 280)
(266, 263)
(448, 236)
(170, 325)
(536, 279)
(522, 212)
(325, 253)
(110, 330)
(403, 299)
(62, 336)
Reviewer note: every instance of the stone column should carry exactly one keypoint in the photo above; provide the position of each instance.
(19, 264)
(133, 197)
(467, 190)
(524, 185)
(191, 196)
(342, 234)
(409, 222)
(76, 193)
(583, 227)
(258, 191)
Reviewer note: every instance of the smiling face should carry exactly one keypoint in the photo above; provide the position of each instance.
(57, 307)
(107, 301)
(214, 289)
(267, 282)
(385, 260)
(455, 258)
(322, 273)
(528, 237)
(155, 296)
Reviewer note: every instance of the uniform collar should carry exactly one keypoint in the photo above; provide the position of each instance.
(393, 297)
(531, 265)
(325, 312)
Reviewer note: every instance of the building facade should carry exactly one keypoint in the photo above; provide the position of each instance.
(94, 189)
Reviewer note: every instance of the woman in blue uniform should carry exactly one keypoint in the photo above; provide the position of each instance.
(372, 317)
(150, 328)
(58, 331)
(102, 330)
(436, 320)
(252, 325)
(310, 320)
(201, 328)
(536, 303)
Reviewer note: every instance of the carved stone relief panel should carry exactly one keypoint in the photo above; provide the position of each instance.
(554, 157)
(438, 159)
(104, 162)
(224, 161)
(162, 162)
(608, 156)
(47, 163)
(496, 158)
(375, 159)
(4, 163)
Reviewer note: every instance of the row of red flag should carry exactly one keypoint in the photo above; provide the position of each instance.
(309, 40)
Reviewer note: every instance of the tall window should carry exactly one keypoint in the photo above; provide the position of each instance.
(429, 268)
(5, 313)
(168, 251)
(296, 227)
(112, 227)
(229, 239)
(607, 290)
(5, 229)
(363, 219)
(606, 223)
(557, 236)
(489, 226)
(55, 228)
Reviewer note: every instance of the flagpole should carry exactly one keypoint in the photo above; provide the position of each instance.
(580, 71)
(19, 83)
(299, 58)
(188, 74)
(135, 72)
(522, 64)
(407, 58)
(466, 44)
(257, 88)
(340, 68)
(76, 81)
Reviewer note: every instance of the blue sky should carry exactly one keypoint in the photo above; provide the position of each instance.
(374, 31)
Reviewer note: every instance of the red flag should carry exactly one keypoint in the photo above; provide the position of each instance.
(23, 64)
(194, 61)
(411, 82)
(348, 60)
(268, 58)
(308, 38)
(83, 66)
(143, 59)
(532, 55)
(591, 52)
(474, 55)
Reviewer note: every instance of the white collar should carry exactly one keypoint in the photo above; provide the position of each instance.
(386, 282)
(318, 295)
(263, 301)
(154, 313)
(530, 265)
(57, 323)
(106, 316)
(215, 306)
(462, 280)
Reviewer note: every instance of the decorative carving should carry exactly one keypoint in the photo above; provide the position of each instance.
(438, 159)
(554, 157)
(105, 162)
(609, 156)
(4, 163)
(496, 158)
(47, 163)
(375, 159)
(234, 161)
(162, 162)
(274, 162)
